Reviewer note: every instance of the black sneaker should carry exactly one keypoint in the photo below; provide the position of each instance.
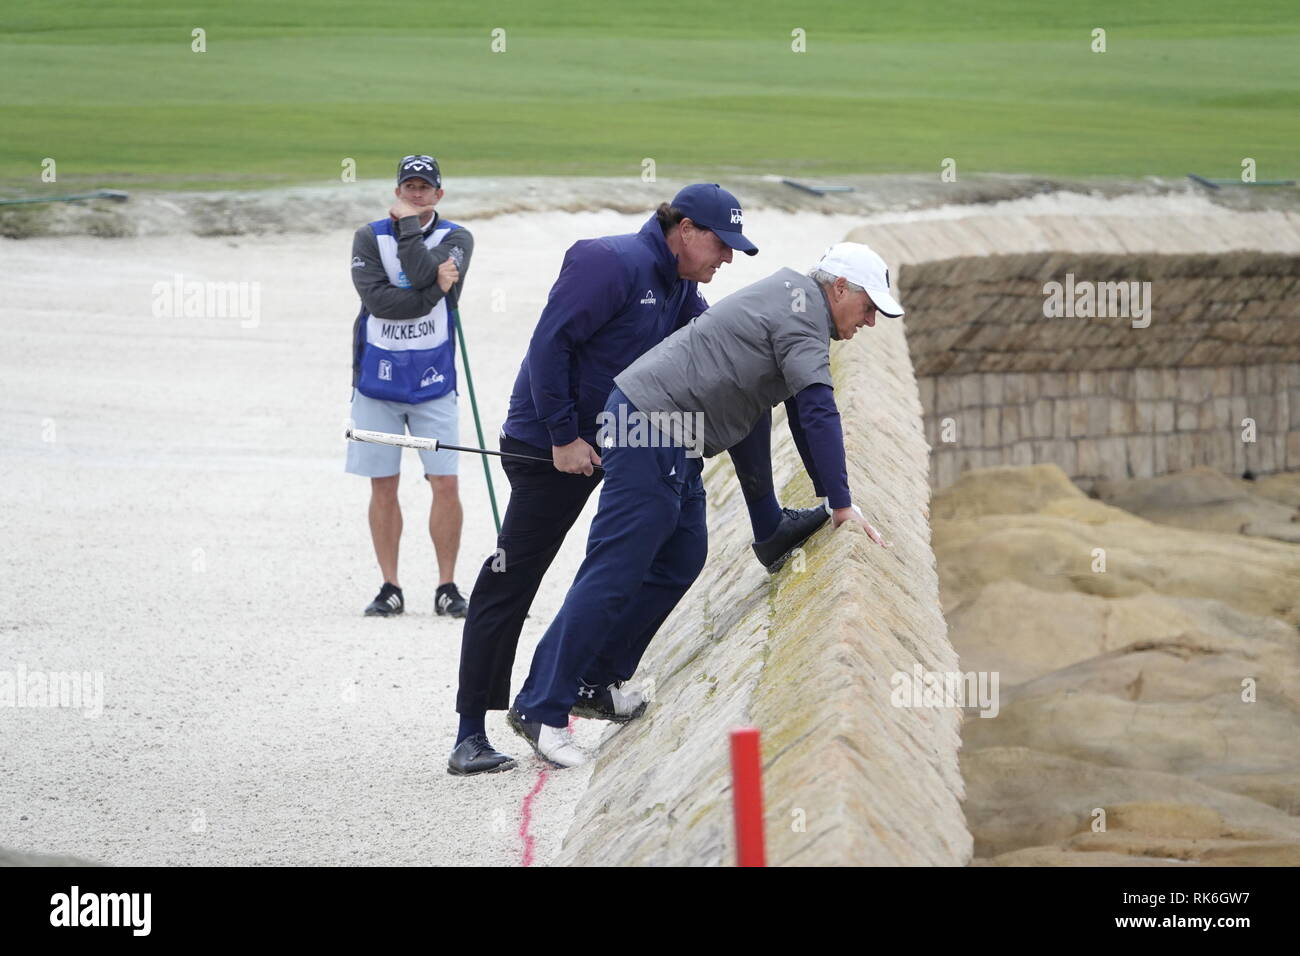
(449, 601)
(797, 526)
(608, 703)
(475, 755)
(387, 603)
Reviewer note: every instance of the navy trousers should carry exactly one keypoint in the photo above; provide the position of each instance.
(544, 504)
(647, 545)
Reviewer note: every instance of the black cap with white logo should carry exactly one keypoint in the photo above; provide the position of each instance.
(424, 167)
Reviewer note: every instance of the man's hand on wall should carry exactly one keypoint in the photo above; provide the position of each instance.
(854, 519)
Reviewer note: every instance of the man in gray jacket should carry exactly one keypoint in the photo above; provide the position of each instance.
(697, 393)
(409, 269)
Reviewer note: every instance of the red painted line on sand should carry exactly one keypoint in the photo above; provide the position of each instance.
(526, 811)
(526, 817)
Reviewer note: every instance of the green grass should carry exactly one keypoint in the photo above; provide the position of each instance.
(114, 94)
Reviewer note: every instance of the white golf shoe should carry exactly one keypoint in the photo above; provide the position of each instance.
(555, 745)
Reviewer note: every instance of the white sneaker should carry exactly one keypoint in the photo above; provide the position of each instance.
(555, 745)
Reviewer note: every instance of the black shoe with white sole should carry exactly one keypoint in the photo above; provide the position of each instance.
(448, 600)
(475, 755)
(797, 526)
(608, 703)
(555, 745)
(387, 603)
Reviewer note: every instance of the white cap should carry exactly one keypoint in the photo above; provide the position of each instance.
(861, 266)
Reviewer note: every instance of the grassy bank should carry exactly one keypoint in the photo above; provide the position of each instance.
(117, 97)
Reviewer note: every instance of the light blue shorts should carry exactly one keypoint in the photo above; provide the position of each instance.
(438, 419)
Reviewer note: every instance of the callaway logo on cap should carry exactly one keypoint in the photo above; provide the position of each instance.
(422, 167)
(711, 206)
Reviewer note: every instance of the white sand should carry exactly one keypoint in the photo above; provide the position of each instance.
(175, 516)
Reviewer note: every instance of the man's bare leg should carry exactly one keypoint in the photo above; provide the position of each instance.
(386, 525)
(445, 520)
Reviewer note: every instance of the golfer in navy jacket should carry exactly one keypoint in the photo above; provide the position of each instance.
(616, 297)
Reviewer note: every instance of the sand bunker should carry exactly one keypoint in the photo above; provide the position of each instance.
(1148, 671)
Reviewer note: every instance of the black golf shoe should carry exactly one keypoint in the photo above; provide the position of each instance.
(797, 526)
(608, 703)
(475, 755)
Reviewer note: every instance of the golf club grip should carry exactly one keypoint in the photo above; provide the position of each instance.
(384, 438)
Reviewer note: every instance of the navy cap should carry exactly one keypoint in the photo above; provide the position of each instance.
(424, 167)
(711, 206)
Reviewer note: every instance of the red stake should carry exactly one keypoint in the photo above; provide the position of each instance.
(747, 796)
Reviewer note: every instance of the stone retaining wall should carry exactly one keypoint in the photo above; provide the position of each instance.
(1117, 423)
(806, 656)
(1113, 398)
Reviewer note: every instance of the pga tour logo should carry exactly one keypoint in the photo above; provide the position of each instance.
(736, 218)
(385, 370)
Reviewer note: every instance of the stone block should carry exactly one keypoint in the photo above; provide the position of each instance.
(993, 389)
(1090, 460)
(1262, 408)
(1123, 417)
(1164, 416)
(947, 395)
(1078, 417)
(1010, 425)
(1141, 455)
(1098, 416)
(992, 427)
(1193, 384)
(1066, 454)
(1061, 418)
(970, 428)
(1052, 384)
(1148, 383)
(1042, 418)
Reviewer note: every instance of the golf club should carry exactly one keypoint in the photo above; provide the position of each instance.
(431, 444)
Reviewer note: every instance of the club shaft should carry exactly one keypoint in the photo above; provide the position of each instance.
(432, 444)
